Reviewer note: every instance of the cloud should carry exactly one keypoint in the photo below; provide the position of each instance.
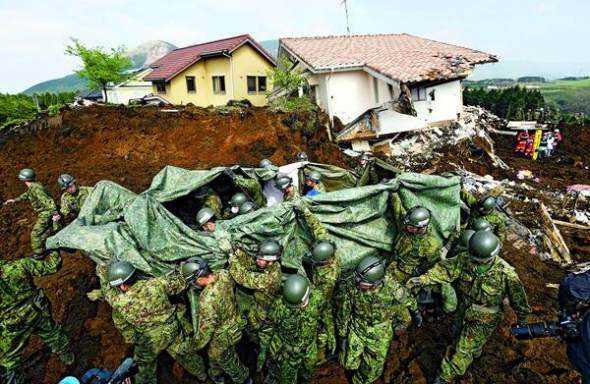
(545, 7)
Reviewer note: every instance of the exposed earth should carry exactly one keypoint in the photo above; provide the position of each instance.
(130, 145)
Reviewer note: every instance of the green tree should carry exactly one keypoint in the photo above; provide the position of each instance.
(101, 67)
(287, 82)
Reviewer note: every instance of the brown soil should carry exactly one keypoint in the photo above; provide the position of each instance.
(129, 146)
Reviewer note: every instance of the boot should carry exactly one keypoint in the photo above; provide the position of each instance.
(67, 358)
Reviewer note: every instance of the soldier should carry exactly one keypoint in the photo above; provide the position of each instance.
(25, 311)
(250, 186)
(73, 197)
(262, 280)
(313, 180)
(236, 202)
(144, 315)
(301, 157)
(366, 165)
(416, 249)
(264, 163)
(285, 184)
(365, 320)
(211, 200)
(206, 220)
(484, 208)
(482, 280)
(43, 204)
(219, 324)
(294, 320)
(247, 207)
(459, 244)
(481, 225)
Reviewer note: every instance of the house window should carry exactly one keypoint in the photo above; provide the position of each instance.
(219, 84)
(251, 85)
(161, 87)
(419, 93)
(391, 91)
(190, 84)
(261, 84)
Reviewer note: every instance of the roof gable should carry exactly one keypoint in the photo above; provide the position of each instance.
(401, 57)
(179, 59)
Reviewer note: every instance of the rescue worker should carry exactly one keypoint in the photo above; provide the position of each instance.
(294, 321)
(142, 312)
(415, 248)
(301, 157)
(285, 184)
(206, 220)
(73, 197)
(219, 324)
(247, 207)
(459, 243)
(481, 225)
(237, 201)
(558, 138)
(259, 278)
(313, 181)
(482, 280)
(530, 146)
(25, 311)
(366, 165)
(485, 208)
(210, 199)
(43, 204)
(264, 163)
(521, 139)
(249, 186)
(365, 320)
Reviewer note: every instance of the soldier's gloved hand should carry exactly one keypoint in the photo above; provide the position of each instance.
(94, 295)
(261, 359)
(417, 318)
(395, 185)
(331, 339)
(343, 344)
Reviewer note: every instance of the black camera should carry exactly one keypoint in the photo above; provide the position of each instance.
(567, 329)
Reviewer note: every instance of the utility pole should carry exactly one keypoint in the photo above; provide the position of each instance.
(346, 11)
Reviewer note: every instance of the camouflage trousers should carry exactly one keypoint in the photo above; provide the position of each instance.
(367, 350)
(223, 357)
(41, 232)
(471, 334)
(169, 338)
(17, 328)
(294, 365)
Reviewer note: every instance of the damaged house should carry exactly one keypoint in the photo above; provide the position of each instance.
(383, 85)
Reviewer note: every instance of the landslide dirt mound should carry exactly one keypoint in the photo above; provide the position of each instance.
(129, 146)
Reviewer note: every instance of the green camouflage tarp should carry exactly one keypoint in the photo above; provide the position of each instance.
(117, 224)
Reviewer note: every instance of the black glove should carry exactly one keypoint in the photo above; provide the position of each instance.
(417, 318)
(343, 344)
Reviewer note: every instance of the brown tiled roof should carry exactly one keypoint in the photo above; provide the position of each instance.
(179, 59)
(401, 57)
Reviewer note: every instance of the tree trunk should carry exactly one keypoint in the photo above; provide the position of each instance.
(104, 90)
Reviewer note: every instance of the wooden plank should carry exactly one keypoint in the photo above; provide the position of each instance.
(570, 225)
(555, 236)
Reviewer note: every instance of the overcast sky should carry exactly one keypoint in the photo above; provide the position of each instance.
(34, 33)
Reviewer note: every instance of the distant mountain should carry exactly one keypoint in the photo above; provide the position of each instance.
(141, 56)
(514, 69)
(272, 46)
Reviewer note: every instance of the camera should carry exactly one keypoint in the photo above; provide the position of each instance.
(568, 329)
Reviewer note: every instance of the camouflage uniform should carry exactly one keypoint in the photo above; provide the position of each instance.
(144, 315)
(213, 201)
(45, 207)
(414, 253)
(481, 289)
(495, 218)
(72, 203)
(260, 286)
(294, 333)
(366, 317)
(252, 189)
(25, 311)
(221, 327)
(373, 176)
(293, 196)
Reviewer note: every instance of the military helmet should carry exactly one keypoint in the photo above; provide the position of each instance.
(484, 246)
(464, 238)
(556, 130)
(487, 204)
(247, 207)
(481, 225)
(238, 199)
(27, 174)
(296, 291)
(120, 273)
(269, 250)
(283, 182)
(365, 156)
(265, 163)
(302, 156)
(314, 176)
(370, 271)
(204, 216)
(65, 181)
(418, 217)
(194, 268)
(322, 252)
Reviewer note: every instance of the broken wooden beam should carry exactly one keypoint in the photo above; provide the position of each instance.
(571, 225)
(555, 236)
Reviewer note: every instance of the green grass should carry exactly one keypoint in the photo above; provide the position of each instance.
(569, 96)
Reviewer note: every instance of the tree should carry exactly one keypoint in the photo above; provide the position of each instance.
(101, 67)
(289, 81)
